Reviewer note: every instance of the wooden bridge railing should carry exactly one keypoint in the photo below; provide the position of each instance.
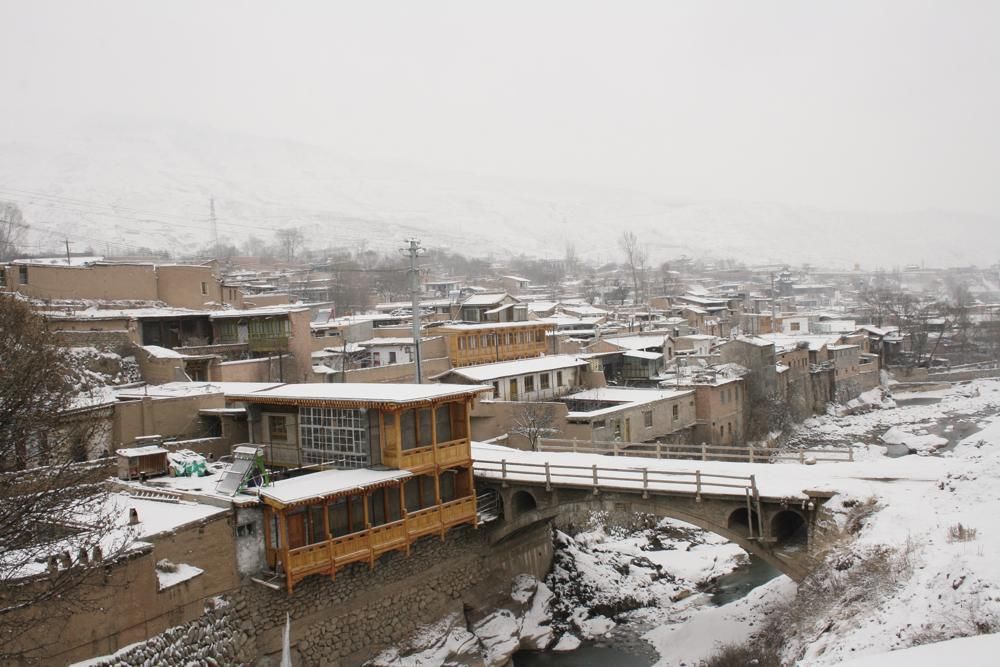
(642, 480)
(704, 452)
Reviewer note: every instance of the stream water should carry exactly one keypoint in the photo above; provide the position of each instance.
(621, 650)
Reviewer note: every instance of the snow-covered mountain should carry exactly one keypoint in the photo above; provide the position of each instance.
(134, 185)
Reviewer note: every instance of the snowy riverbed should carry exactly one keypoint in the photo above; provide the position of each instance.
(916, 564)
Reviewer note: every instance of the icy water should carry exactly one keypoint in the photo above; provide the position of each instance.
(587, 655)
(735, 585)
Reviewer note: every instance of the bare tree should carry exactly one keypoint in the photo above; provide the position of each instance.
(534, 421)
(290, 240)
(636, 257)
(12, 230)
(58, 526)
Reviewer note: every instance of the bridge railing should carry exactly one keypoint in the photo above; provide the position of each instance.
(604, 478)
(704, 452)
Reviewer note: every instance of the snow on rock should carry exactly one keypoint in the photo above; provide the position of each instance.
(446, 642)
(917, 442)
(566, 643)
(168, 574)
(488, 634)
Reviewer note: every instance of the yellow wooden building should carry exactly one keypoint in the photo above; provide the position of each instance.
(382, 466)
(490, 342)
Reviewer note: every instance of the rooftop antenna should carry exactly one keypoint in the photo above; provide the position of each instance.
(414, 250)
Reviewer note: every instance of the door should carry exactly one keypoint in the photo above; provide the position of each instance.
(513, 390)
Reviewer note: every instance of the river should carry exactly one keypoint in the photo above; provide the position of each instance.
(620, 648)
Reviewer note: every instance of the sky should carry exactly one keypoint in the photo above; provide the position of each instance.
(868, 105)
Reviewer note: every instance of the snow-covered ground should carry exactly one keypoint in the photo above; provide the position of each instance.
(918, 563)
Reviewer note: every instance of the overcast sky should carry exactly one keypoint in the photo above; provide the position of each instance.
(885, 106)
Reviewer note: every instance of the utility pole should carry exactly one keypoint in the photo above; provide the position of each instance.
(69, 261)
(215, 226)
(774, 303)
(414, 250)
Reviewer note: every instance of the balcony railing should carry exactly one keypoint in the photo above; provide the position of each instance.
(365, 546)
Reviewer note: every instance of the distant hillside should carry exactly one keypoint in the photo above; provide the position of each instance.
(151, 187)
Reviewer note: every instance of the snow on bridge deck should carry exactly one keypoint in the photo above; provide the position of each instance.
(773, 480)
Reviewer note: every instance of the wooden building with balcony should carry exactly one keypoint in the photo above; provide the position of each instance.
(490, 342)
(391, 464)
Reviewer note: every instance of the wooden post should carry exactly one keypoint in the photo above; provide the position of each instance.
(329, 541)
(760, 512)
(697, 485)
(749, 514)
(594, 468)
(850, 454)
(614, 448)
(751, 452)
(283, 546)
(548, 477)
(368, 529)
(268, 540)
(802, 456)
(574, 445)
(503, 473)
(645, 483)
(659, 450)
(402, 515)
(704, 455)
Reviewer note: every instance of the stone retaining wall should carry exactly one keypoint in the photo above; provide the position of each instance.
(349, 619)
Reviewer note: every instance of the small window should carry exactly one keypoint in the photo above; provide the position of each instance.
(647, 418)
(22, 272)
(392, 357)
(246, 530)
(529, 383)
(795, 326)
(600, 423)
(496, 390)
(676, 412)
(277, 428)
(204, 287)
(543, 381)
(559, 380)
(3, 277)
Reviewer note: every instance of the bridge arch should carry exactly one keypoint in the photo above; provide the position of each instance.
(522, 501)
(744, 522)
(789, 528)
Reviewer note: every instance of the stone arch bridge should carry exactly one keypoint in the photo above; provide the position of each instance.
(784, 531)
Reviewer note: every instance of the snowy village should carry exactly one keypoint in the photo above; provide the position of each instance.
(336, 335)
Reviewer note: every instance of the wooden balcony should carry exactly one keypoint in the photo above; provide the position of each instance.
(366, 546)
(453, 452)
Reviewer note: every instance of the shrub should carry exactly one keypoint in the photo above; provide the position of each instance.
(960, 533)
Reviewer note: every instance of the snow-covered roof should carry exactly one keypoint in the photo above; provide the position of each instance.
(264, 311)
(361, 394)
(387, 340)
(468, 326)
(148, 450)
(637, 342)
(623, 397)
(517, 278)
(122, 313)
(158, 352)
(643, 354)
(181, 389)
(485, 299)
(328, 483)
(487, 372)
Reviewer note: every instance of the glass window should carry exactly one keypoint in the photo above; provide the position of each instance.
(329, 435)
(529, 383)
(647, 418)
(543, 380)
(277, 428)
(676, 412)
(443, 416)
